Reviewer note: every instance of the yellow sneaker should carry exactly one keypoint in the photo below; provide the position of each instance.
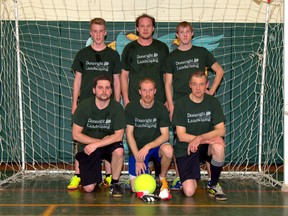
(74, 183)
(107, 181)
(164, 190)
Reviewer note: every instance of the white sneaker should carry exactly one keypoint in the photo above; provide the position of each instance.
(165, 191)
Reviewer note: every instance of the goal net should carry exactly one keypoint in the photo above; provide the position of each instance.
(40, 39)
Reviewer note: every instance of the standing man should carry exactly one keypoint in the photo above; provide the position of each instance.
(98, 126)
(143, 58)
(90, 62)
(180, 64)
(95, 60)
(199, 122)
(148, 134)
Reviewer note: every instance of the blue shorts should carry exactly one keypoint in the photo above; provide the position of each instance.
(153, 153)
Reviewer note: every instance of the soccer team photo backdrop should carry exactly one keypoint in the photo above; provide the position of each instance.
(40, 39)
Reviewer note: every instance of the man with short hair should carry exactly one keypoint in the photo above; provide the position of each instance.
(98, 126)
(178, 67)
(199, 121)
(95, 60)
(90, 62)
(182, 62)
(143, 58)
(147, 134)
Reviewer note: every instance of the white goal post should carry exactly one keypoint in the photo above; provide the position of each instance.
(285, 107)
(39, 41)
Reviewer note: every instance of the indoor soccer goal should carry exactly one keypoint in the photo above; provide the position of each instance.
(39, 40)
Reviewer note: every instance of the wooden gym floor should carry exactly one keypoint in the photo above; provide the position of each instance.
(47, 195)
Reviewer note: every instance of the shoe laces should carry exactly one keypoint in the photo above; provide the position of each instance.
(218, 188)
(164, 184)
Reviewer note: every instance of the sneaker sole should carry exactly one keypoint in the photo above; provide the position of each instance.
(117, 195)
(167, 198)
(175, 189)
(72, 188)
(221, 199)
(218, 198)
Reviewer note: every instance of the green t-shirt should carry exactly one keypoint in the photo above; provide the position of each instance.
(181, 64)
(98, 123)
(145, 62)
(197, 118)
(92, 63)
(146, 122)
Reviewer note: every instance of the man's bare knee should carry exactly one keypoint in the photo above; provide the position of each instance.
(189, 192)
(119, 152)
(89, 188)
(167, 151)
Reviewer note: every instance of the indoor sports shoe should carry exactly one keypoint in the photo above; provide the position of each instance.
(107, 181)
(176, 185)
(127, 185)
(150, 198)
(217, 192)
(115, 190)
(164, 190)
(74, 183)
(208, 185)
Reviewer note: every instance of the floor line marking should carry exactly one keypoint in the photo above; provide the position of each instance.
(49, 211)
(53, 206)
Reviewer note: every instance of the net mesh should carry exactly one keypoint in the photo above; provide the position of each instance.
(51, 33)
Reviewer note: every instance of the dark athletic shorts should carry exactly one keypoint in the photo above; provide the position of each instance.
(90, 165)
(203, 153)
(189, 166)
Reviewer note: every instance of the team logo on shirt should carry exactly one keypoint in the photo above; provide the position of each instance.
(190, 63)
(146, 123)
(101, 124)
(97, 66)
(147, 58)
(199, 117)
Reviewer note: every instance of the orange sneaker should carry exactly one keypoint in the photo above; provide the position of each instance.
(164, 190)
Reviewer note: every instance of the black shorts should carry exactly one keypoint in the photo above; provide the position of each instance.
(90, 165)
(189, 166)
(203, 153)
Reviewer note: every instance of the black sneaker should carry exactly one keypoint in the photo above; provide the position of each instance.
(115, 190)
(217, 192)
